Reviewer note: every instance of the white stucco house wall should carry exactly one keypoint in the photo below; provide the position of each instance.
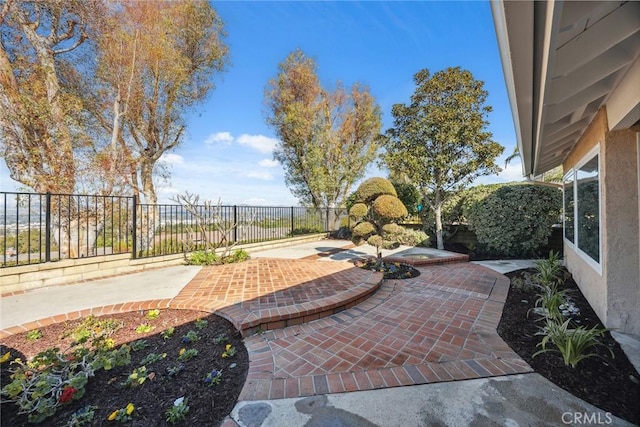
(572, 71)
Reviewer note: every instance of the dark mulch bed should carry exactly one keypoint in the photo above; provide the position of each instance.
(209, 405)
(611, 384)
(391, 270)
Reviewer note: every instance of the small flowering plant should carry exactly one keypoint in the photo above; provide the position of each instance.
(82, 416)
(190, 337)
(185, 354)
(229, 351)
(123, 415)
(168, 333)
(144, 328)
(152, 314)
(67, 394)
(213, 378)
(138, 377)
(201, 324)
(177, 411)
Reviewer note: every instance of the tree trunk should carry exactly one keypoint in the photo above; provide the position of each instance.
(148, 215)
(438, 213)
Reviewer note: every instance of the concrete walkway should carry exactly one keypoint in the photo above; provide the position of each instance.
(30, 306)
(460, 382)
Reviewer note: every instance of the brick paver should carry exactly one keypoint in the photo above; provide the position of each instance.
(440, 326)
(274, 293)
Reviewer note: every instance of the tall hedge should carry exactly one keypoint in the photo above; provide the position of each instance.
(515, 220)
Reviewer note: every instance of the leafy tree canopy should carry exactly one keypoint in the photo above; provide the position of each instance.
(439, 141)
(327, 139)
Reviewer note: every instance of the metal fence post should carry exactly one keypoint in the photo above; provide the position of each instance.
(235, 223)
(47, 228)
(134, 231)
(292, 225)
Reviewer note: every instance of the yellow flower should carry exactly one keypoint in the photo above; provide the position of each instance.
(182, 350)
(109, 343)
(130, 408)
(5, 357)
(113, 415)
(228, 347)
(225, 355)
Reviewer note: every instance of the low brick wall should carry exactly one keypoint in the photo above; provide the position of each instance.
(25, 277)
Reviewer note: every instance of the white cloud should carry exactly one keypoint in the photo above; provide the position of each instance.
(261, 143)
(255, 201)
(168, 190)
(172, 158)
(268, 163)
(266, 176)
(219, 138)
(513, 172)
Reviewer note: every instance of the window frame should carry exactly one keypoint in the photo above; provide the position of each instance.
(573, 174)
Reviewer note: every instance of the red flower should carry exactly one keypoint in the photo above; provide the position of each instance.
(67, 395)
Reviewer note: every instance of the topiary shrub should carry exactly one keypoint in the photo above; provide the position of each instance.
(389, 207)
(370, 189)
(376, 207)
(515, 220)
(358, 211)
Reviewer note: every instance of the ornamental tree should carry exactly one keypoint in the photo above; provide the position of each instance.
(327, 138)
(439, 141)
(375, 211)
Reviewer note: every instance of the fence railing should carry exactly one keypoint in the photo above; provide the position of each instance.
(39, 228)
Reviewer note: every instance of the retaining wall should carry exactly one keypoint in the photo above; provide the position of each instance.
(25, 277)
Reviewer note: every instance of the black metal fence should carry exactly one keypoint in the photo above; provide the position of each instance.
(39, 228)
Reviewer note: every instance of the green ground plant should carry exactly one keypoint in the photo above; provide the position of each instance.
(549, 270)
(34, 335)
(549, 302)
(178, 411)
(573, 344)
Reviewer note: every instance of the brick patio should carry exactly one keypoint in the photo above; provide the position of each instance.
(440, 326)
(263, 294)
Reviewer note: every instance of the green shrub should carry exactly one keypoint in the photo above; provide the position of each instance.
(362, 231)
(238, 255)
(299, 231)
(202, 258)
(389, 207)
(370, 189)
(405, 236)
(409, 195)
(358, 211)
(515, 220)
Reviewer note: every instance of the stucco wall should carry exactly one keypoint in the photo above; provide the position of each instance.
(614, 292)
(621, 231)
(591, 282)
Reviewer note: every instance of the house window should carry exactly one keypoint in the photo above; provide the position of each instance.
(569, 216)
(588, 212)
(582, 208)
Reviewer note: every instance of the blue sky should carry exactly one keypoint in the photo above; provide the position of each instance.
(228, 148)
